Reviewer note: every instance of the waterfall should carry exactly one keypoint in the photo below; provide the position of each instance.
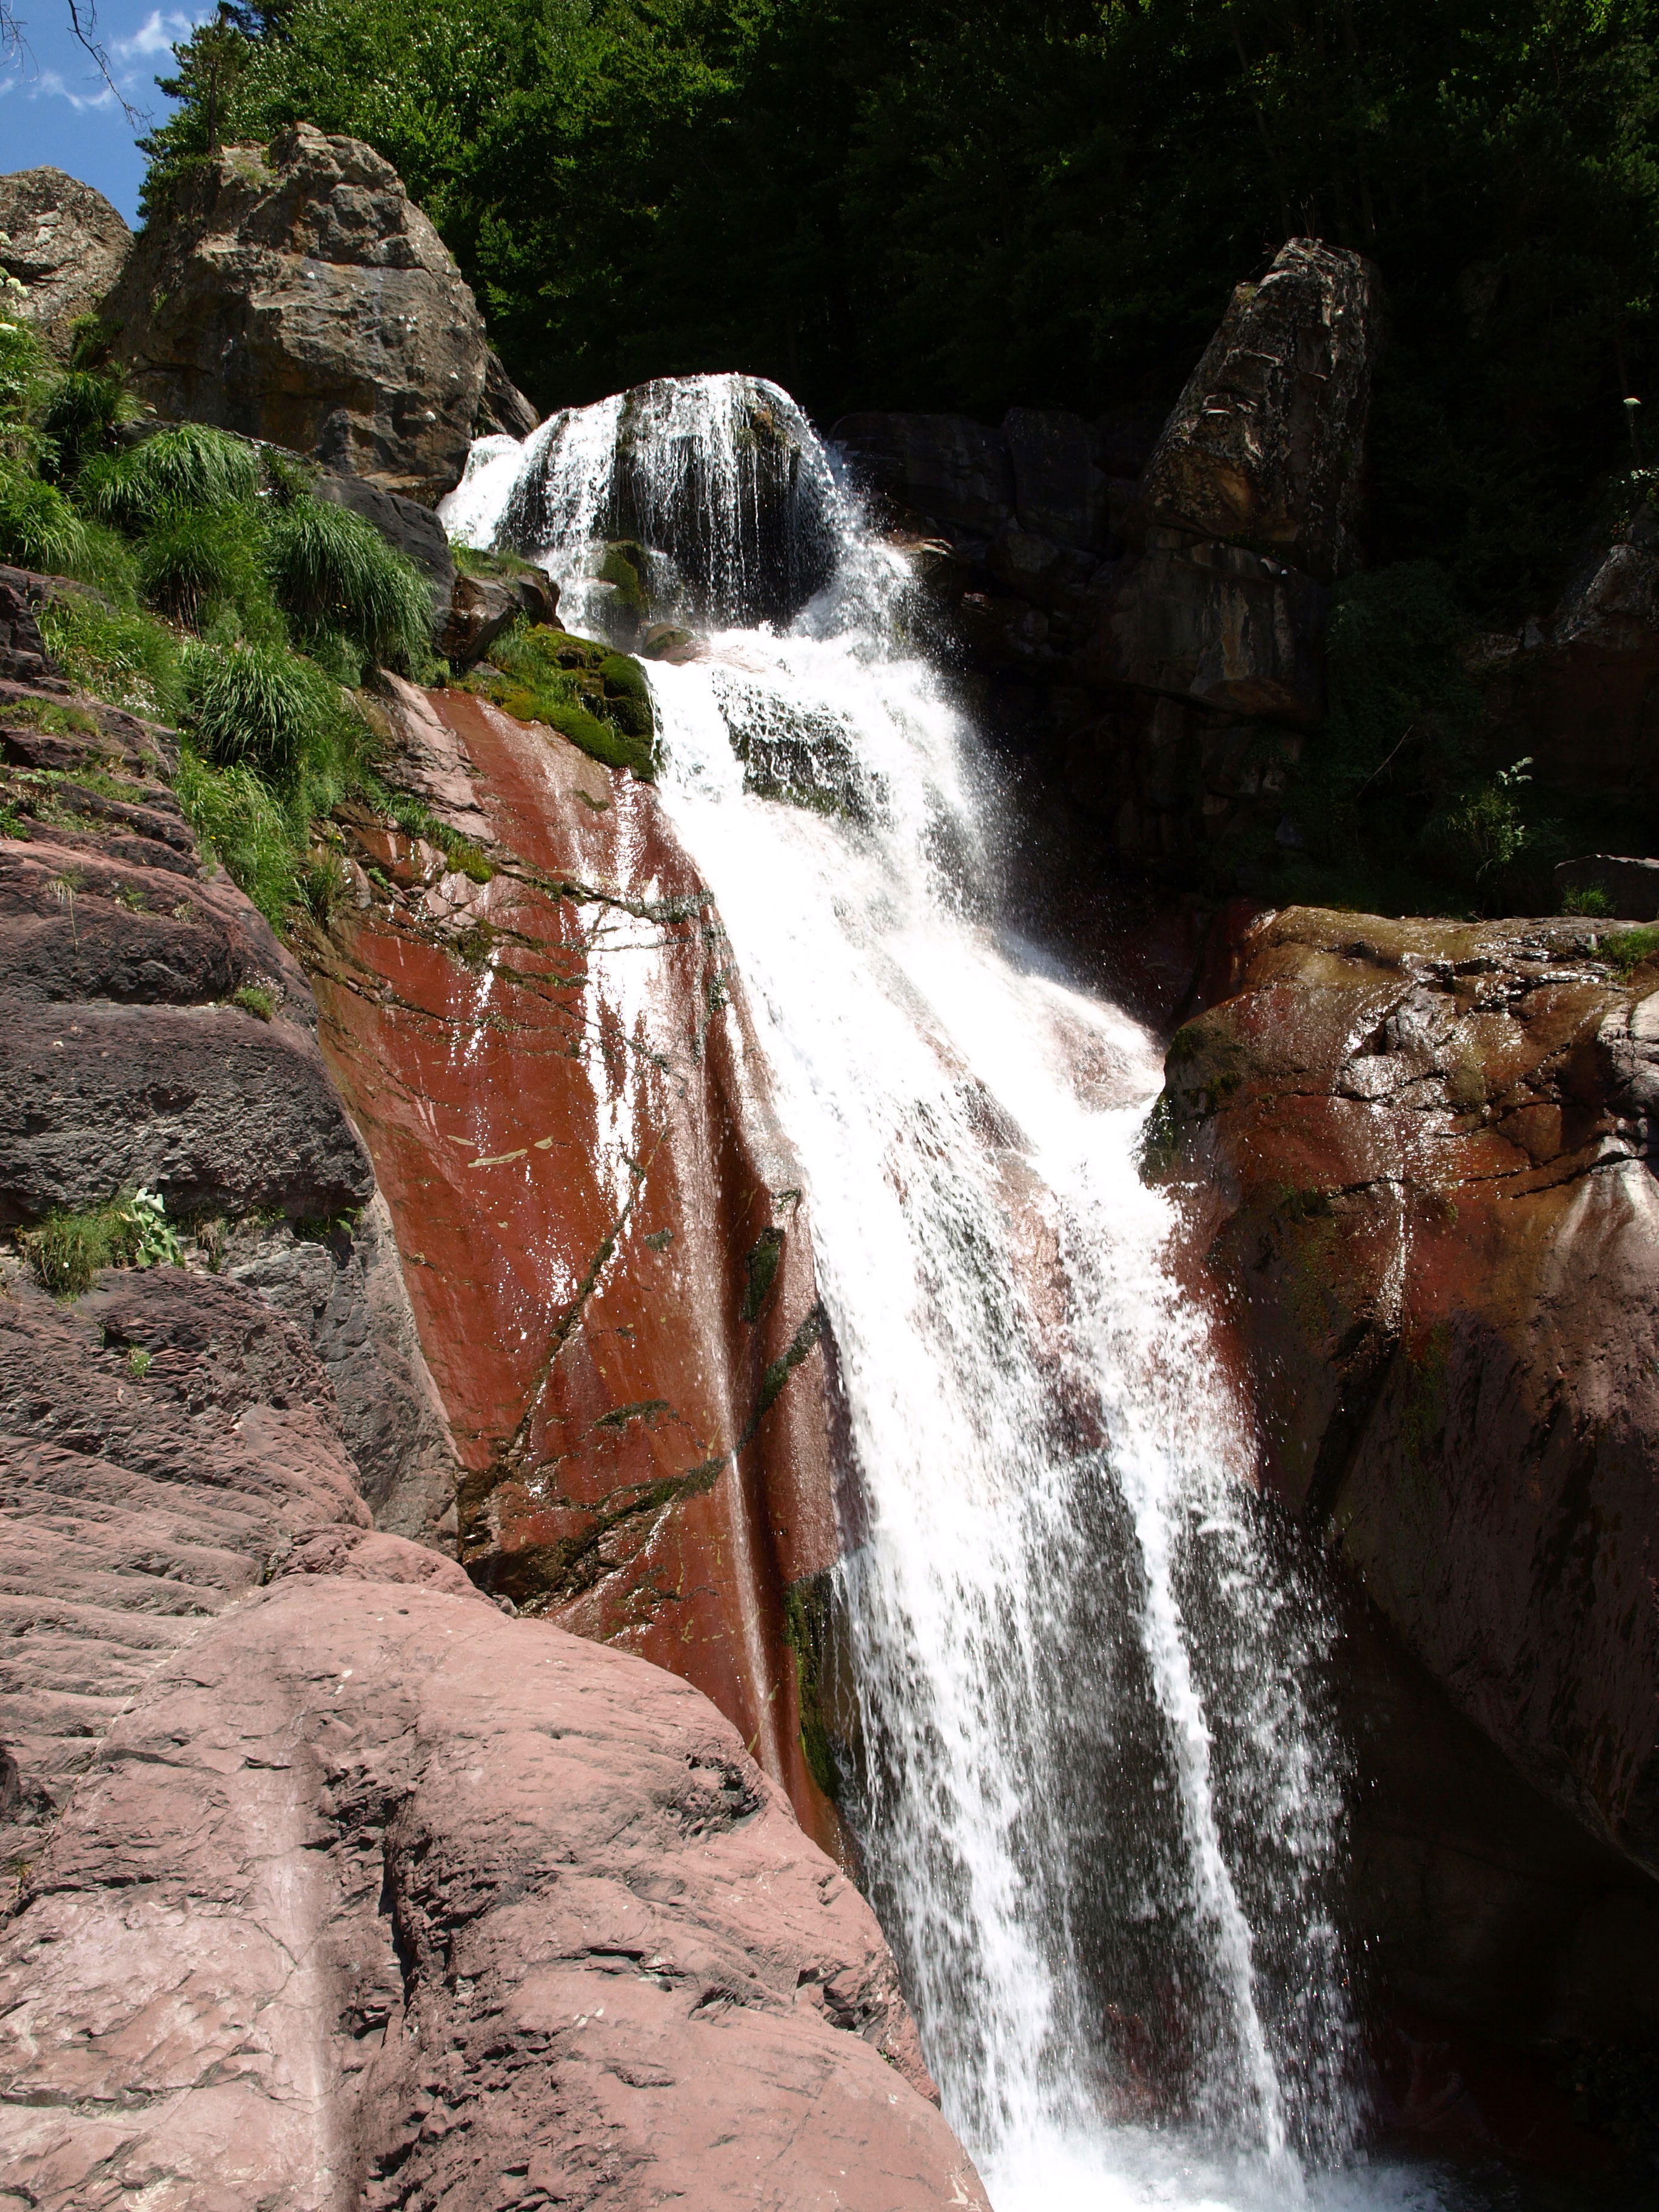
(1094, 1780)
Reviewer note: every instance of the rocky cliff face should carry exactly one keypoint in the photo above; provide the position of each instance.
(1419, 1154)
(331, 1884)
(1146, 608)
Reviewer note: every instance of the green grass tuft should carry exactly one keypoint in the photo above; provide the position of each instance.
(193, 466)
(268, 709)
(38, 528)
(253, 999)
(126, 657)
(334, 572)
(70, 1245)
(1626, 948)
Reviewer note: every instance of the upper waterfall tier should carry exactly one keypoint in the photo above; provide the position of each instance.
(706, 497)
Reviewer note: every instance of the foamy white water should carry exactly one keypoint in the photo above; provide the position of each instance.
(1095, 1784)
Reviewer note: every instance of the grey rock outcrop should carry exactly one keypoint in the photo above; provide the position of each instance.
(1266, 443)
(296, 292)
(1218, 625)
(482, 607)
(64, 243)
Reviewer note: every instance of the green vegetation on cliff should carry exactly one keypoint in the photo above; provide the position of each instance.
(221, 598)
(899, 204)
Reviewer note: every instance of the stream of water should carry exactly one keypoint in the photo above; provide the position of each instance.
(1092, 1772)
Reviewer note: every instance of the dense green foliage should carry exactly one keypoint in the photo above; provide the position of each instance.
(227, 602)
(897, 202)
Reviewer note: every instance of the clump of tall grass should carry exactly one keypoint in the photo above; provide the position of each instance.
(38, 528)
(193, 466)
(263, 708)
(69, 1246)
(246, 828)
(118, 653)
(332, 571)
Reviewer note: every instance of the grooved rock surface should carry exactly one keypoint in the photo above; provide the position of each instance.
(296, 292)
(64, 243)
(137, 1506)
(1266, 443)
(377, 1898)
(1421, 1154)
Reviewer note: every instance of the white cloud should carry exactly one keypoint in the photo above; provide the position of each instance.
(133, 64)
(155, 35)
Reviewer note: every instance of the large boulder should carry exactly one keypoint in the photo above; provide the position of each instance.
(64, 243)
(296, 292)
(1266, 443)
(1576, 693)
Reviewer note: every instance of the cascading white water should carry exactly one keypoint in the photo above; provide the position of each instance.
(1098, 1795)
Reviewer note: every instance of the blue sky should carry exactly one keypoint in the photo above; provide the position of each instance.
(55, 107)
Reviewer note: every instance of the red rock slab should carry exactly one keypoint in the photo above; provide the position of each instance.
(378, 1897)
(602, 1228)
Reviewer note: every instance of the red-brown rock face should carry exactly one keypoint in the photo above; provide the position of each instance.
(603, 1233)
(1419, 1152)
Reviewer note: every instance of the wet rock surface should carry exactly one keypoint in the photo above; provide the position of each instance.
(602, 1228)
(1420, 1153)
(296, 292)
(64, 243)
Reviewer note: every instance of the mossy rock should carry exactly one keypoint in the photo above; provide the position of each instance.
(603, 740)
(621, 566)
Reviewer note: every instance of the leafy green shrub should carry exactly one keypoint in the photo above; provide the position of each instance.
(193, 466)
(69, 1246)
(124, 656)
(333, 571)
(268, 709)
(38, 528)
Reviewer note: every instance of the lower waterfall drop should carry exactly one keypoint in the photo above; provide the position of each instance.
(1093, 1778)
